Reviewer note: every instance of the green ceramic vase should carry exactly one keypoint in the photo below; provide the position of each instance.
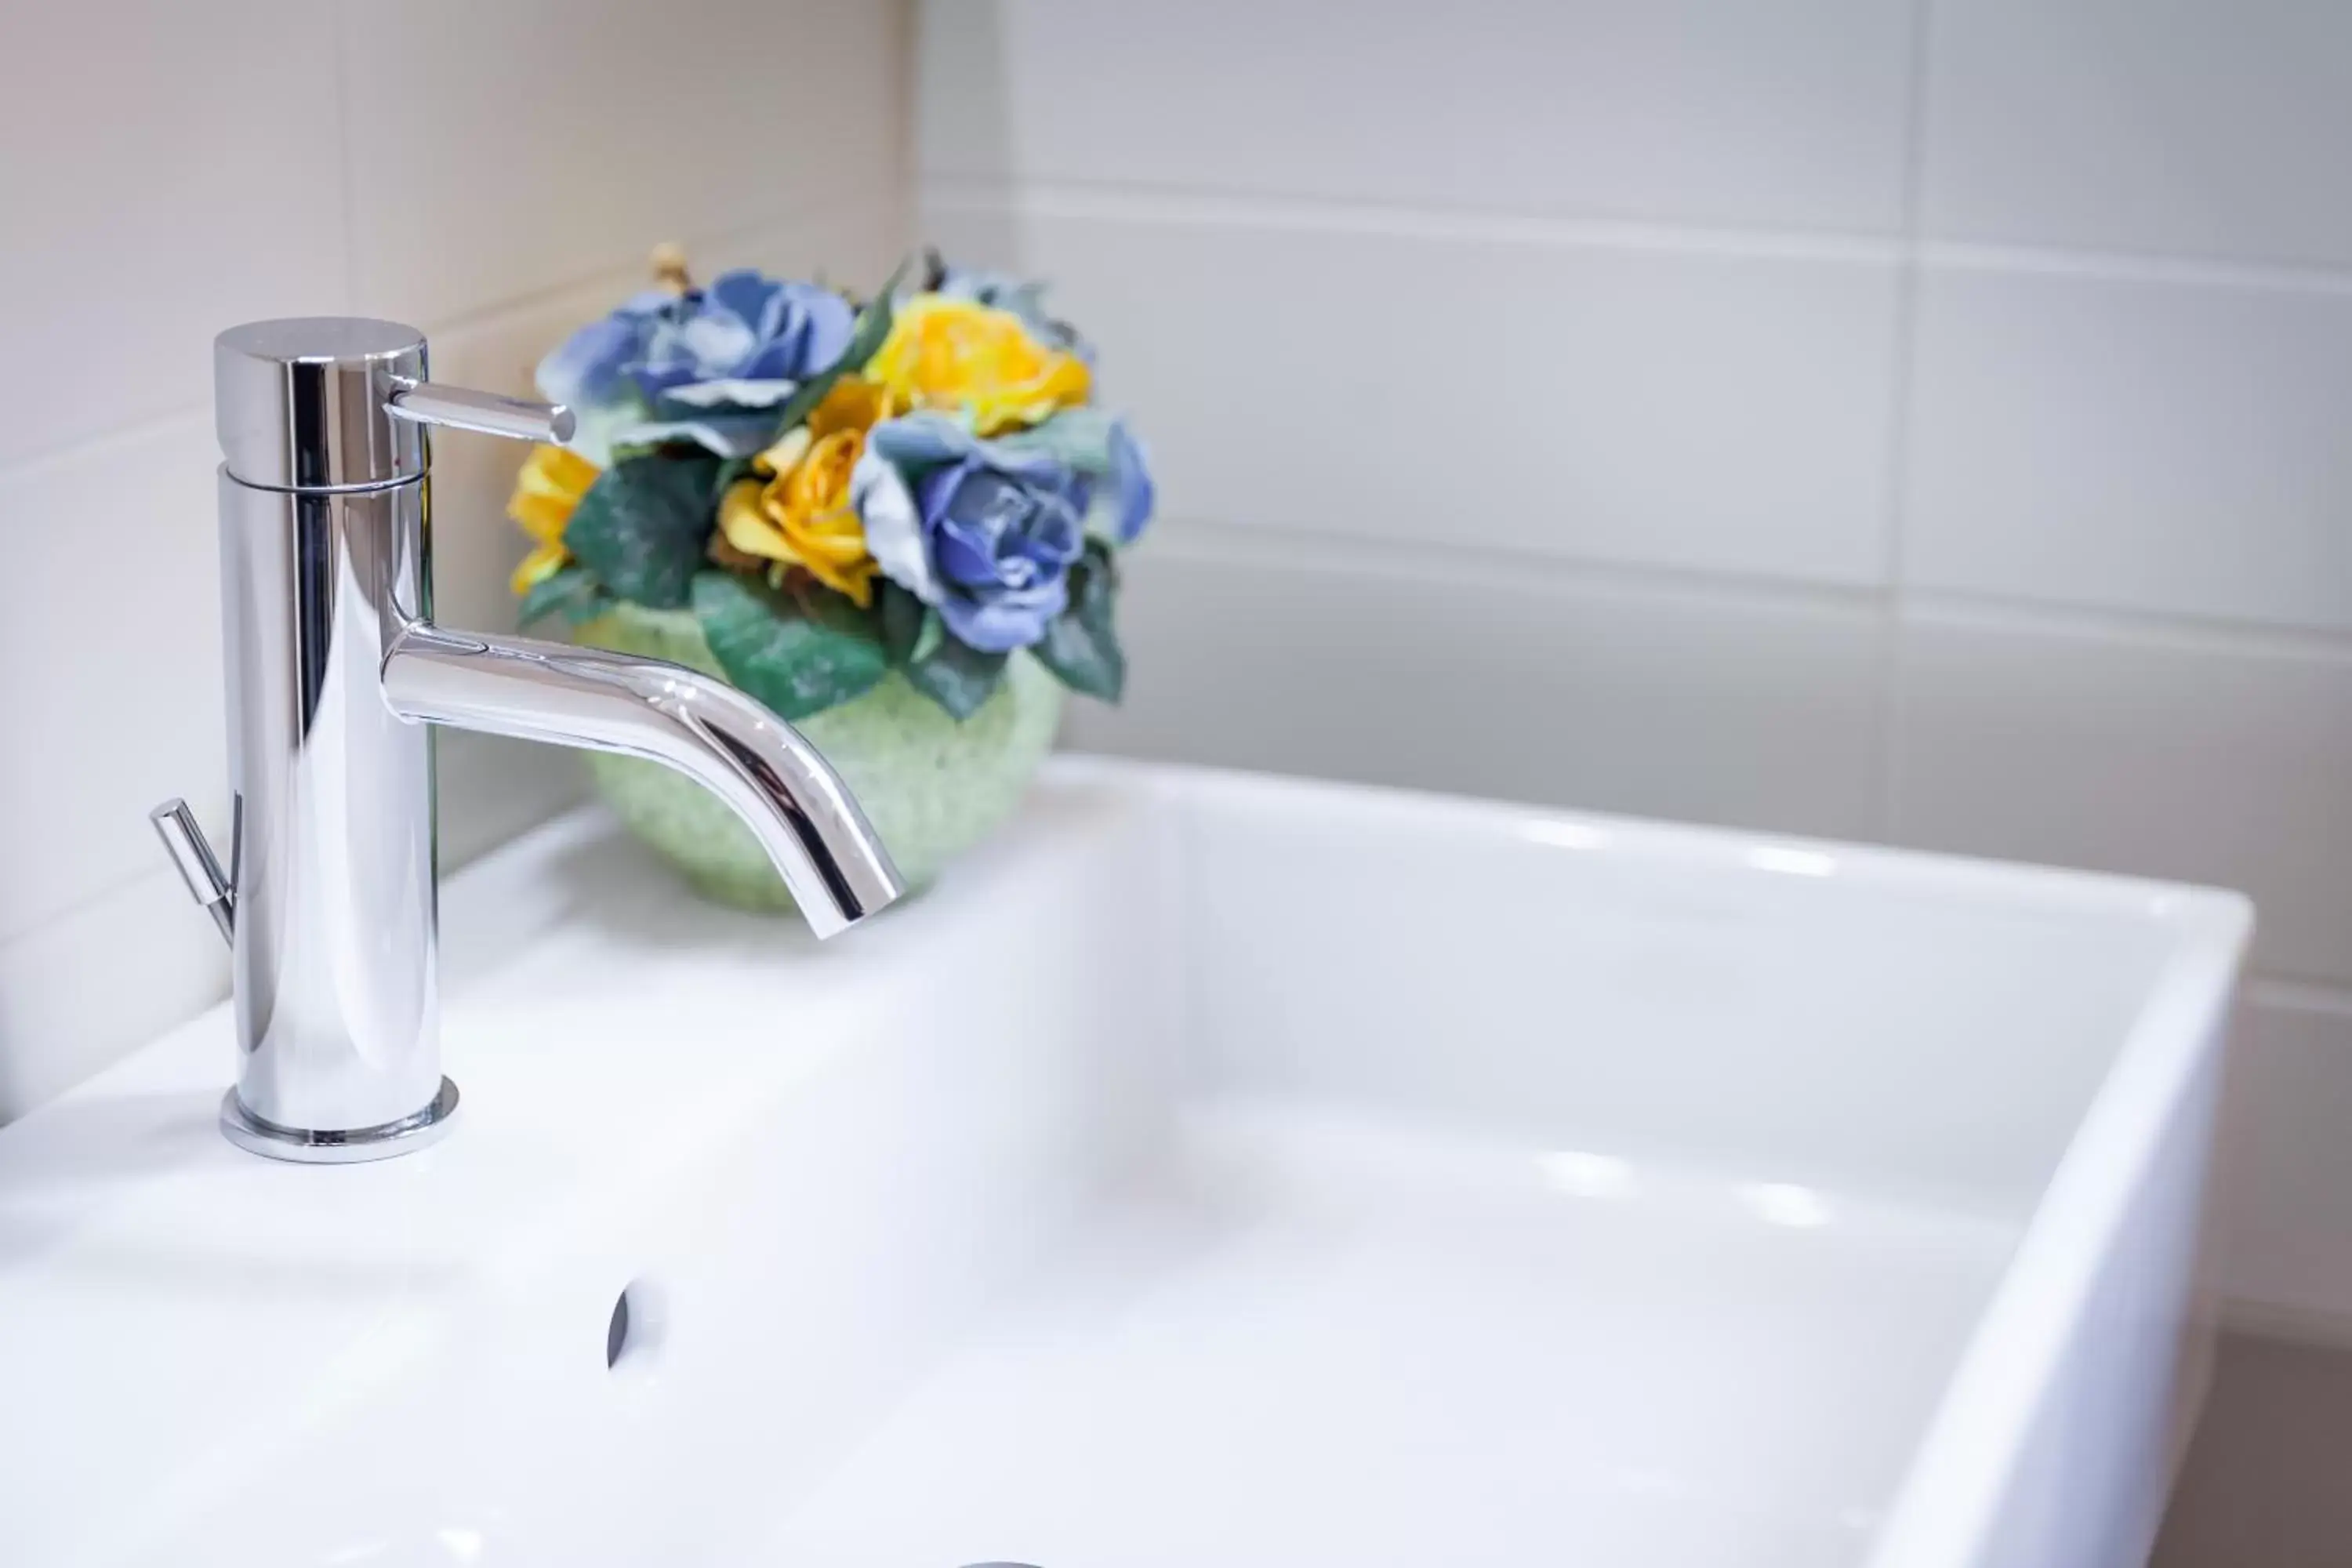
(932, 787)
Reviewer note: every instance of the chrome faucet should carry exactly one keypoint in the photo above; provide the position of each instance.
(335, 672)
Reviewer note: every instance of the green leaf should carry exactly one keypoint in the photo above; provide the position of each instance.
(959, 679)
(588, 607)
(873, 327)
(1081, 645)
(929, 637)
(729, 471)
(835, 612)
(572, 591)
(911, 630)
(899, 614)
(771, 647)
(643, 525)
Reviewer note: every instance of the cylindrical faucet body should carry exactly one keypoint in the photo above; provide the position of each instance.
(325, 558)
(333, 871)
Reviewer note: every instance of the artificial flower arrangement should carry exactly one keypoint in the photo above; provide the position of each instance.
(838, 488)
(829, 500)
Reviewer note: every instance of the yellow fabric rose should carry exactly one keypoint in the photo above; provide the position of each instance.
(960, 356)
(801, 515)
(552, 480)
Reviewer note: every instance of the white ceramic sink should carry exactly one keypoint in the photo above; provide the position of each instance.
(1212, 1171)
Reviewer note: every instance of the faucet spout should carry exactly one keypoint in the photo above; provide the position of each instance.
(785, 791)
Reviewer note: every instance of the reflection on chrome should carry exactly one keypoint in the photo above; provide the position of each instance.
(1792, 862)
(1585, 1176)
(1783, 1203)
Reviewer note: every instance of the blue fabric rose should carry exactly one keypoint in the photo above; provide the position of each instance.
(1126, 492)
(982, 532)
(1108, 457)
(707, 365)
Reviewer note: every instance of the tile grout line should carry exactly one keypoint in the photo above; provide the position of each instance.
(908, 231)
(346, 165)
(498, 312)
(494, 314)
(2291, 994)
(85, 903)
(1301, 548)
(80, 446)
(1214, 539)
(2135, 266)
(1207, 206)
(2019, 614)
(2307, 1328)
(1893, 696)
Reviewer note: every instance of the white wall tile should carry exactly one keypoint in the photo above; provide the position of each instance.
(489, 788)
(171, 169)
(110, 655)
(505, 149)
(2139, 444)
(1791, 113)
(2209, 127)
(1496, 679)
(2198, 759)
(122, 968)
(856, 243)
(2286, 1223)
(1666, 407)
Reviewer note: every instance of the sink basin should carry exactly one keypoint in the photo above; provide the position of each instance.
(1212, 1170)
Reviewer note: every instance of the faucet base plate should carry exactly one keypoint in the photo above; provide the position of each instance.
(345, 1147)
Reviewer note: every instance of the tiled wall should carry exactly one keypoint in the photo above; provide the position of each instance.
(1926, 420)
(493, 171)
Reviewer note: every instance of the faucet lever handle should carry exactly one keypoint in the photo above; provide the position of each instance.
(176, 825)
(484, 413)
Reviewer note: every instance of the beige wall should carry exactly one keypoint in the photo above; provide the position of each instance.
(494, 172)
(1868, 417)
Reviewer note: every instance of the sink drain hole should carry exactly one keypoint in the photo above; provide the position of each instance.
(616, 1332)
(635, 1330)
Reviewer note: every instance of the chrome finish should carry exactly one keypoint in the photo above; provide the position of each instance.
(792, 802)
(185, 842)
(334, 960)
(484, 413)
(408, 1134)
(333, 662)
(299, 404)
